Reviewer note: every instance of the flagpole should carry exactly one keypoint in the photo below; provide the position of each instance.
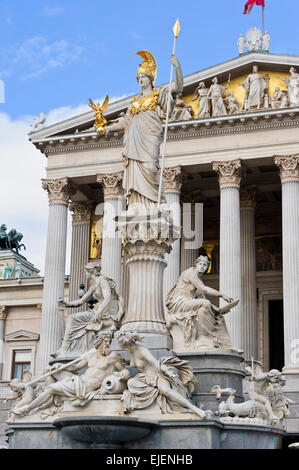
(263, 16)
(176, 31)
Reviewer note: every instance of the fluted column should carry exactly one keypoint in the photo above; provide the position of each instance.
(59, 192)
(230, 250)
(114, 203)
(3, 315)
(289, 174)
(248, 266)
(81, 214)
(173, 181)
(190, 243)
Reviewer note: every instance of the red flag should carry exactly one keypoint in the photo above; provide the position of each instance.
(250, 3)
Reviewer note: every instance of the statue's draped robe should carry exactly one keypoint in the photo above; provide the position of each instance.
(78, 339)
(255, 86)
(143, 135)
(216, 93)
(143, 390)
(204, 110)
(292, 83)
(201, 322)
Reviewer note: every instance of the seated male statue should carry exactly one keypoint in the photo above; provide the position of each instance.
(100, 362)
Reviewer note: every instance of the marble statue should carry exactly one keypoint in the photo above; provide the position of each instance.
(279, 99)
(143, 132)
(292, 83)
(18, 271)
(241, 44)
(215, 94)
(81, 326)
(233, 104)
(268, 391)
(201, 93)
(39, 122)
(99, 363)
(254, 39)
(266, 399)
(23, 392)
(201, 322)
(7, 273)
(249, 408)
(266, 41)
(164, 381)
(181, 111)
(255, 87)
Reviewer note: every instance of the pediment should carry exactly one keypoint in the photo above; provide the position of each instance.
(236, 68)
(22, 335)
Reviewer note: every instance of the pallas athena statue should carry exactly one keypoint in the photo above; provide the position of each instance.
(142, 125)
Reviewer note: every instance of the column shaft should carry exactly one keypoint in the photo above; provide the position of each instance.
(3, 315)
(51, 329)
(80, 248)
(172, 187)
(111, 239)
(230, 249)
(248, 264)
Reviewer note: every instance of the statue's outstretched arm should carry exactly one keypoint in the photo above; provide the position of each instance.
(78, 303)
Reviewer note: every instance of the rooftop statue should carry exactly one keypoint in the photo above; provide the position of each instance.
(10, 240)
(99, 110)
(255, 86)
(241, 44)
(143, 132)
(39, 122)
(216, 93)
(201, 323)
(81, 326)
(292, 82)
(201, 93)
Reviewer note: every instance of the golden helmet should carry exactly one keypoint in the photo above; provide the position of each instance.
(149, 65)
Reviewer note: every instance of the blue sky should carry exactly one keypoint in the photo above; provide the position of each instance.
(55, 55)
(59, 53)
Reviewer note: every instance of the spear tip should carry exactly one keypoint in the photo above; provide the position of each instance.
(177, 28)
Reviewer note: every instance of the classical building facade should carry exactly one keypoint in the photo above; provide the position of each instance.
(232, 169)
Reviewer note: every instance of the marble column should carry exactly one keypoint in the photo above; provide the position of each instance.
(59, 192)
(3, 315)
(114, 203)
(289, 174)
(229, 174)
(81, 214)
(192, 217)
(173, 181)
(248, 271)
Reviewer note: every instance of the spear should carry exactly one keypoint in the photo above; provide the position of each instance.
(176, 30)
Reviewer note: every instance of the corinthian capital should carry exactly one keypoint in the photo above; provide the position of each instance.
(289, 167)
(229, 173)
(59, 190)
(248, 198)
(81, 212)
(173, 179)
(3, 312)
(112, 184)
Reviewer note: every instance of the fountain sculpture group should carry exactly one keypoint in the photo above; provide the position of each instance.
(127, 377)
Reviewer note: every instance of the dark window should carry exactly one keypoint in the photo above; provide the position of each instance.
(276, 337)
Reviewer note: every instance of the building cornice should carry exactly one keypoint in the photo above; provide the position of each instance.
(194, 129)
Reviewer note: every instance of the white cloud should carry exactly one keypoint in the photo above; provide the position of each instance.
(36, 56)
